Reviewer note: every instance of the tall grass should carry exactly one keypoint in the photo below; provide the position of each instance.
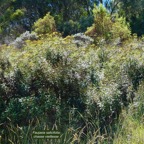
(90, 133)
(131, 130)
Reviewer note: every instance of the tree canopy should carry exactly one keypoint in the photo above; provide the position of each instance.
(20, 15)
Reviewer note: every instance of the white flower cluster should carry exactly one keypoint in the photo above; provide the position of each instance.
(81, 40)
(29, 36)
(20, 41)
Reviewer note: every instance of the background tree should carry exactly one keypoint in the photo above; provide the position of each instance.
(29, 11)
(17, 16)
(131, 9)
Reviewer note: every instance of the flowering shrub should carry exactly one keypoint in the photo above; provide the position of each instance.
(53, 80)
(29, 36)
(20, 41)
(82, 40)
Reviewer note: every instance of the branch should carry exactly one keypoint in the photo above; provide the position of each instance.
(113, 8)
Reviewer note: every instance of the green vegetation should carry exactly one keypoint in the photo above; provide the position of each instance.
(45, 25)
(106, 27)
(88, 87)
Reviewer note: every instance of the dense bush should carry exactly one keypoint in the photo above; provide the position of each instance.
(49, 85)
(45, 25)
(120, 28)
(107, 26)
(71, 84)
(135, 72)
(53, 80)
